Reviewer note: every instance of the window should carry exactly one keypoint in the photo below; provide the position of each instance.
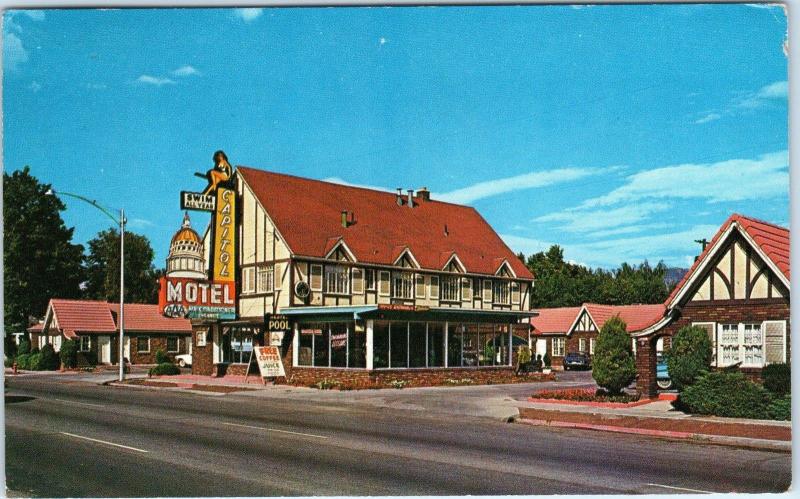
(172, 344)
(332, 344)
(466, 289)
(487, 291)
(753, 345)
(265, 279)
(237, 344)
(515, 295)
(398, 343)
(581, 344)
(143, 344)
(775, 341)
(558, 347)
(433, 291)
(337, 279)
(502, 293)
(384, 284)
(86, 343)
(201, 337)
(450, 290)
(402, 285)
(729, 344)
(358, 281)
(370, 278)
(248, 280)
(591, 346)
(316, 278)
(419, 287)
(380, 341)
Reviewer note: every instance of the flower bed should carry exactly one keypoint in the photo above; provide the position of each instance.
(587, 396)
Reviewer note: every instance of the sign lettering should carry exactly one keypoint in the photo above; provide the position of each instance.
(197, 201)
(269, 361)
(183, 297)
(224, 235)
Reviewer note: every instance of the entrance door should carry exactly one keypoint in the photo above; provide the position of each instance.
(127, 352)
(104, 348)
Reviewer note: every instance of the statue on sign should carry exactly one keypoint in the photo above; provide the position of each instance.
(220, 174)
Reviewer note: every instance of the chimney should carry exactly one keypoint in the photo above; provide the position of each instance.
(411, 198)
(344, 218)
(424, 194)
(399, 196)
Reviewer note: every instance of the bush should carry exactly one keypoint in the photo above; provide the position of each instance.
(777, 379)
(546, 359)
(24, 347)
(161, 357)
(689, 356)
(165, 369)
(613, 364)
(23, 361)
(69, 354)
(49, 359)
(780, 409)
(728, 394)
(35, 361)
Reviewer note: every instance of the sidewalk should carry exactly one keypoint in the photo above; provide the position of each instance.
(660, 419)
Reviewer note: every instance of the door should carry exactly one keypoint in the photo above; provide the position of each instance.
(104, 349)
(127, 352)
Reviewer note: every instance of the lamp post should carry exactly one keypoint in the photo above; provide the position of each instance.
(121, 222)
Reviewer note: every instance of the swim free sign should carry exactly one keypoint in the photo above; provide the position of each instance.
(194, 299)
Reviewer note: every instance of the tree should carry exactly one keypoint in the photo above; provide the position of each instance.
(613, 364)
(141, 278)
(40, 262)
(689, 356)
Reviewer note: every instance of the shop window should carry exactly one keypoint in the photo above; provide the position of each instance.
(398, 335)
(86, 343)
(357, 346)
(322, 347)
(172, 344)
(402, 285)
(143, 344)
(265, 279)
(436, 344)
(337, 279)
(416, 344)
(471, 346)
(380, 346)
(338, 335)
(455, 335)
(559, 345)
(237, 345)
(502, 293)
(450, 290)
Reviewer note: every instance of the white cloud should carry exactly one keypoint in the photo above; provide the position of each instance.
(248, 15)
(35, 86)
(765, 177)
(14, 54)
(140, 223)
(382, 41)
(185, 71)
(777, 90)
(36, 15)
(154, 80)
(708, 117)
(531, 180)
(337, 180)
(581, 220)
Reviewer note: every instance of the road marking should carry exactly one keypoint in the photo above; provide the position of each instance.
(74, 402)
(680, 488)
(275, 430)
(103, 442)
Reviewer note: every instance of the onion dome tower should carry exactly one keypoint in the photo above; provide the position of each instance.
(185, 257)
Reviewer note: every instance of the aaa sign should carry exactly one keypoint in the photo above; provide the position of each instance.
(269, 362)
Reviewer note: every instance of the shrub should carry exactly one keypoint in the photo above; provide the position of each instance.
(780, 409)
(326, 384)
(689, 356)
(35, 350)
(69, 354)
(23, 361)
(35, 361)
(49, 359)
(777, 379)
(728, 394)
(161, 357)
(546, 359)
(398, 383)
(613, 364)
(165, 369)
(585, 395)
(24, 347)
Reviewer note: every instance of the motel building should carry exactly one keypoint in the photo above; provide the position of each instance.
(353, 283)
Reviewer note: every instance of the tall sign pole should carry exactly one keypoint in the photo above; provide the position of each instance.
(121, 294)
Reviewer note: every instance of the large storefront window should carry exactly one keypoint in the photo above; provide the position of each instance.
(380, 344)
(332, 344)
(398, 332)
(436, 351)
(237, 345)
(416, 344)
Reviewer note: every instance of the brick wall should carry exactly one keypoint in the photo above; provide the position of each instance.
(646, 366)
(573, 340)
(202, 356)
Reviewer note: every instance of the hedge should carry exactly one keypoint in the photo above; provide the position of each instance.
(165, 369)
(727, 394)
(780, 409)
(777, 378)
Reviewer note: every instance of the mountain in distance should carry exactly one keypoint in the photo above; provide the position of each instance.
(674, 275)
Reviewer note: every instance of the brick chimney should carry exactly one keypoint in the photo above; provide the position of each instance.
(424, 194)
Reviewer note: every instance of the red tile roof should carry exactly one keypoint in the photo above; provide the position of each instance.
(308, 215)
(90, 316)
(772, 239)
(559, 320)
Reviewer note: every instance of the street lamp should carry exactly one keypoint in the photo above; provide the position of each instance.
(121, 222)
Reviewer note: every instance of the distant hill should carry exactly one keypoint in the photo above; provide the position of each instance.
(674, 275)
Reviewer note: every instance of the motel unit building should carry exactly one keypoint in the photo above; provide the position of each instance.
(369, 282)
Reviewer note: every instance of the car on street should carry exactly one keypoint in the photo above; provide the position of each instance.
(184, 360)
(577, 360)
(662, 374)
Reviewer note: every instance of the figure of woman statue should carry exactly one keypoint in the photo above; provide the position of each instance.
(221, 172)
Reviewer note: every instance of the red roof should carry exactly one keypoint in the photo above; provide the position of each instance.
(90, 316)
(560, 320)
(772, 239)
(307, 213)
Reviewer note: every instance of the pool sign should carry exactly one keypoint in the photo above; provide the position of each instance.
(269, 361)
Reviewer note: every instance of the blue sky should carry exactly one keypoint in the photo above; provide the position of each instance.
(621, 133)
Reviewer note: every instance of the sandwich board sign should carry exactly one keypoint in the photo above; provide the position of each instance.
(269, 361)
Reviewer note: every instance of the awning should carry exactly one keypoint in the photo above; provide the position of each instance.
(405, 313)
(327, 313)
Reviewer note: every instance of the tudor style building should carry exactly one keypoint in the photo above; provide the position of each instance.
(738, 291)
(370, 281)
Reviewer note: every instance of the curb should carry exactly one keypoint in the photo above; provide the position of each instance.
(167, 388)
(744, 442)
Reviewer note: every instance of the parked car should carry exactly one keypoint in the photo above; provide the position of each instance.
(577, 360)
(184, 359)
(662, 374)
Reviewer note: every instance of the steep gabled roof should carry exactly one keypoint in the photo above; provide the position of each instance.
(307, 214)
(770, 240)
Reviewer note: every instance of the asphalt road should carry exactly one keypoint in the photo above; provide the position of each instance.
(76, 439)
